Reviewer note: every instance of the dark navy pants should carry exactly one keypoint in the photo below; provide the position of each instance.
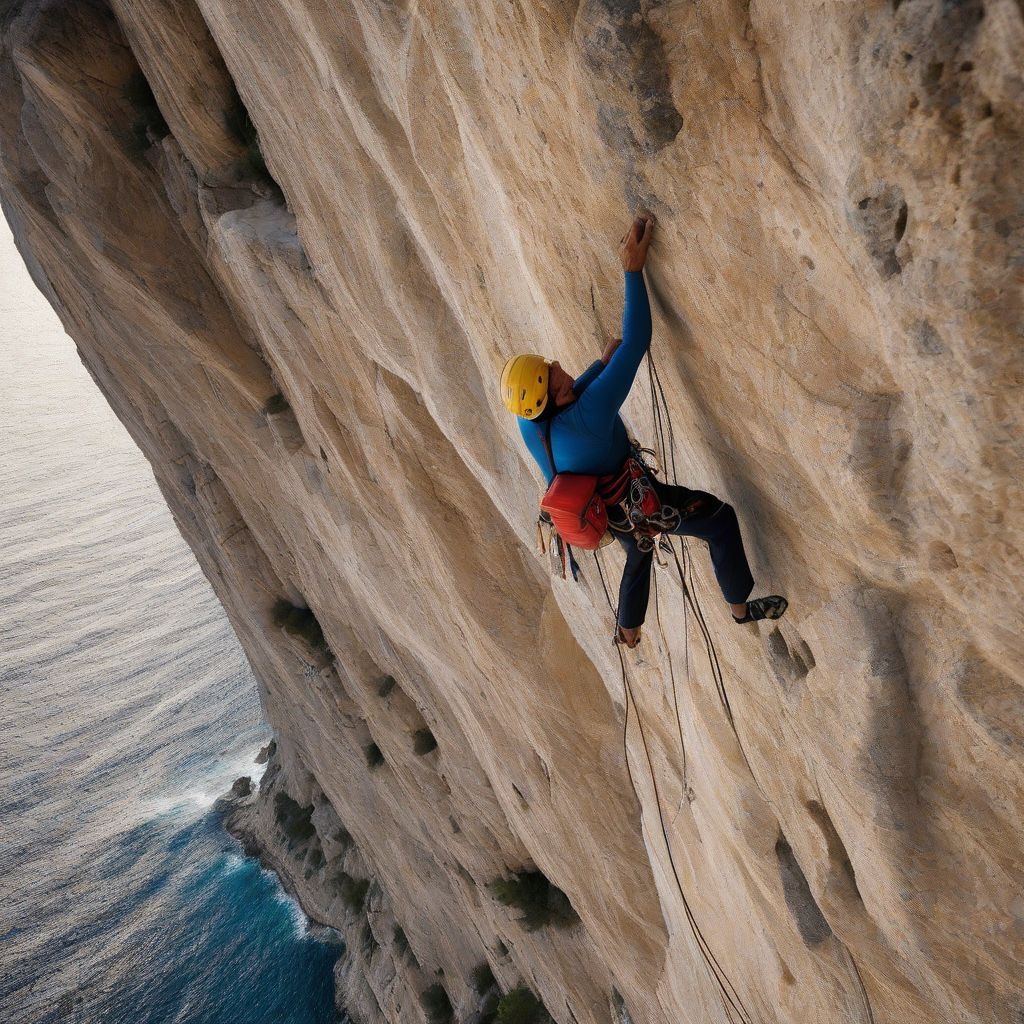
(703, 516)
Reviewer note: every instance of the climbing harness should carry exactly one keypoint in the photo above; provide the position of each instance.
(582, 508)
(638, 510)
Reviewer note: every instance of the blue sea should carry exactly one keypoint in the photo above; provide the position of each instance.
(126, 709)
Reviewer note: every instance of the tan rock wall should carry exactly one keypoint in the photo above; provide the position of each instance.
(836, 282)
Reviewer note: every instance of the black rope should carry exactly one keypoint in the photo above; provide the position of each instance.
(731, 1000)
(659, 427)
(675, 694)
(860, 981)
(665, 453)
(709, 643)
(625, 685)
(652, 370)
(664, 414)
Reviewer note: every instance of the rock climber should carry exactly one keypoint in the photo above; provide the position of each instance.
(587, 435)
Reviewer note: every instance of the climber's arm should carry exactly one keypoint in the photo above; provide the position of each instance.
(587, 377)
(533, 439)
(605, 395)
(610, 350)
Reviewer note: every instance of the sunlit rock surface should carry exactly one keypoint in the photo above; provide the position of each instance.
(302, 330)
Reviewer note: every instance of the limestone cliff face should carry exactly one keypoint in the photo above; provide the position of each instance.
(295, 242)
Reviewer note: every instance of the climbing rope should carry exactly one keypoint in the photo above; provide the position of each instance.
(672, 676)
(732, 1003)
(666, 454)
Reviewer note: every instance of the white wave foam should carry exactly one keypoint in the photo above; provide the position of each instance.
(233, 862)
(215, 783)
(300, 922)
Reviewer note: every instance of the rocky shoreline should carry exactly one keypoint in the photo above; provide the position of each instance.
(246, 811)
(294, 832)
(312, 854)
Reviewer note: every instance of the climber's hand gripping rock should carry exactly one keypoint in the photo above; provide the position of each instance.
(636, 241)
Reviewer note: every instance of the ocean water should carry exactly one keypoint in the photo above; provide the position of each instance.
(126, 708)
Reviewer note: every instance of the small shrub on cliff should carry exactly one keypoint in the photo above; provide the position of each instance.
(351, 890)
(294, 819)
(387, 684)
(436, 1003)
(276, 404)
(483, 978)
(540, 903)
(239, 124)
(621, 1010)
(521, 1006)
(374, 756)
(149, 122)
(301, 622)
(370, 943)
(423, 741)
(489, 1007)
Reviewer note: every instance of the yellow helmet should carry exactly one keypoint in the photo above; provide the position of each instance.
(524, 385)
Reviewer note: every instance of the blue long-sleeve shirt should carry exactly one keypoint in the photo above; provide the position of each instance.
(589, 435)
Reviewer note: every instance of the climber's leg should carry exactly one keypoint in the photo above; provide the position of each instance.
(711, 519)
(635, 588)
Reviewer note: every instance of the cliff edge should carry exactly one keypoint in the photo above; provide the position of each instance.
(295, 243)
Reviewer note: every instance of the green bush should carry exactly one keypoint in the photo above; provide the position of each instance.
(243, 131)
(483, 978)
(370, 943)
(489, 1007)
(294, 819)
(436, 1003)
(374, 756)
(521, 1006)
(540, 903)
(149, 122)
(276, 404)
(423, 741)
(351, 890)
(253, 164)
(300, 622)
(621, 1010)
(387, 684)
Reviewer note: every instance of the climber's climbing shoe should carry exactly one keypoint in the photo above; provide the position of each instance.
(772, 607)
